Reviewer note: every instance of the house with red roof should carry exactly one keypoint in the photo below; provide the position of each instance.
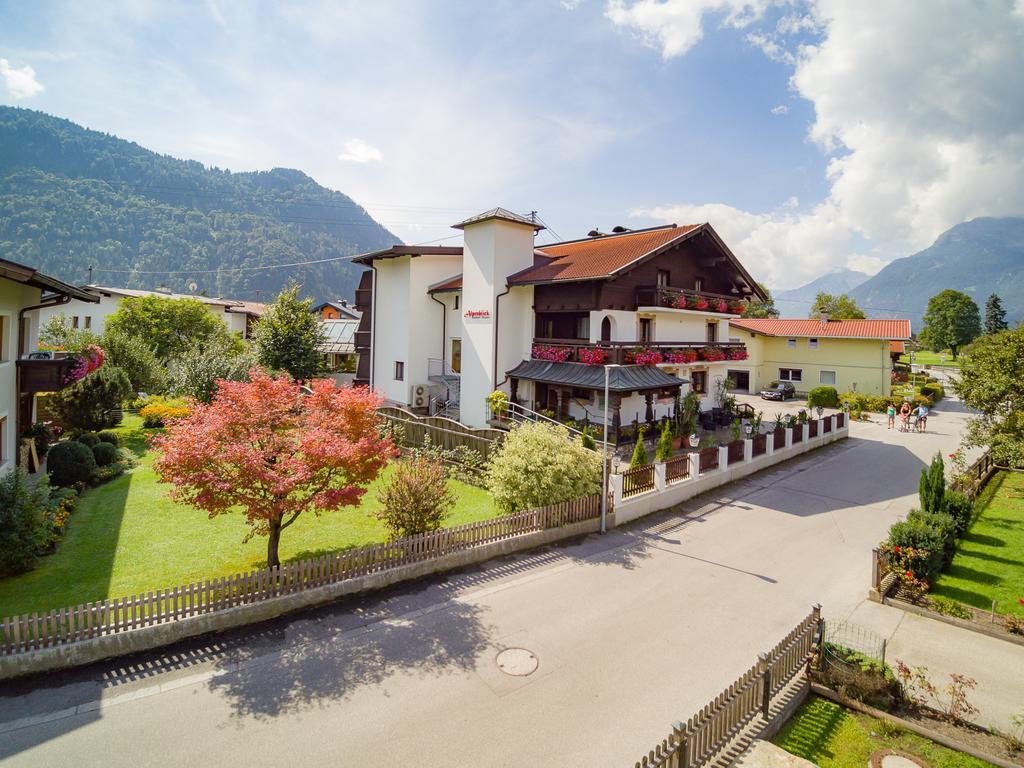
(452, 324)
(850, 355)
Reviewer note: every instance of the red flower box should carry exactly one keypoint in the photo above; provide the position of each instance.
(593, 356)
(552, 354)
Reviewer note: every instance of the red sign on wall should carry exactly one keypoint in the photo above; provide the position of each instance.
(477, 313)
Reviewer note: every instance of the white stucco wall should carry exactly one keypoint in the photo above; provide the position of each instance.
(493, 249)
(13, 297)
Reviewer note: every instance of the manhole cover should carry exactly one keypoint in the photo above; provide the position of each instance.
(888, 758)
(518, 662)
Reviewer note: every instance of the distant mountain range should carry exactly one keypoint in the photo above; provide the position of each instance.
(797, 302)
(979, 257)
(72, 198)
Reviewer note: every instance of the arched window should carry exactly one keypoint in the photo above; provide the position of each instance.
(606, 329)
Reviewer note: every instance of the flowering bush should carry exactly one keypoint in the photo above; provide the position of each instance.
(737, 354)
(737, 307)
(158, 410)
(681, 356)
(720, 305)
(593, 356)
(699, 302)
(645, 357)
(552, 354)
(713, 354)
(89, 360)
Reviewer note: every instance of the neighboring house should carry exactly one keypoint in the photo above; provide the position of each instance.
(850, 355)
(22, 290)
(443, 323)
(336, 310)
(338, 349)
(237, 315)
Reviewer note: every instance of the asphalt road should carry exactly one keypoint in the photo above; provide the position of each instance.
(633, 631)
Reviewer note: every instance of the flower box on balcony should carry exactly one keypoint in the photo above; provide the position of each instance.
(713, 354)
(737, 354)
(551, 354)
(645, 357)
(593, 356)
(682, 356)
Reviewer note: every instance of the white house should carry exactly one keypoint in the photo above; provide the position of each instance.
(452, 324)
(23, 291)
(237, 315)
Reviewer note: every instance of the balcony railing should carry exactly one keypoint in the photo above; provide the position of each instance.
(635, 353)
(362, 340)
(44, 375)
(697, 301)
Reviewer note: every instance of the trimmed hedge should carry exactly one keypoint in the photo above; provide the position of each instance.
(88, 438)
(826, 397)
(106, 454)
(918, 535)
(70, 462)
(106, 436)
(959, 506)
(944, 525)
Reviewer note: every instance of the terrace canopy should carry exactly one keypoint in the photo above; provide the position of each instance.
(562, 378)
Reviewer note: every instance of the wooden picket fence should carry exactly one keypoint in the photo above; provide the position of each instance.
(637, 480)
(760, 446)
(677, 468)
(444, 433)
(28, 632)
(708, 459)
(743, 708)
(735, 452)
(812, 428)
(779, 438)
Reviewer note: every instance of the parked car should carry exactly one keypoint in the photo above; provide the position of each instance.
(778, 390)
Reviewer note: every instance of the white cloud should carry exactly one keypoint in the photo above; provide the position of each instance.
(781, 109)
(918, 112)
(360, 151)
(21, 82)
(571, 5)
(675, 26)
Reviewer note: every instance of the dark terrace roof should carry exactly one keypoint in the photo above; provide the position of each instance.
(597, 257)
(19, 273)
(625, 378)
(408, 250)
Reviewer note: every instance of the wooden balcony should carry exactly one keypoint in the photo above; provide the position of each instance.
(43, 375)
(636, 353)
(695, 301)
(362, 341)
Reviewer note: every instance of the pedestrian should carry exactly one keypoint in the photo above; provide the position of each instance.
(922, 417)
(891, 413)
(905, 416)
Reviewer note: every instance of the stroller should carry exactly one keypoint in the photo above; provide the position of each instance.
(914, 422)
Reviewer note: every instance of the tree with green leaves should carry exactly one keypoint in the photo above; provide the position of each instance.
(169, 325)
(951, 321)
(197, 372)
(835, 307)
(995, 315)
(288, 337)
(133, 355)
(57, 333)
(664, 450)
(761, 309)
(639, 452)
(991, 381)
(932, 486)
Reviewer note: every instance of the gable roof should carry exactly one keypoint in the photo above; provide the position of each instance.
(502, 214)
(344, 309)
(19, 273)
(408, 250)
(897, 347)
(888, 330)
(446, 286)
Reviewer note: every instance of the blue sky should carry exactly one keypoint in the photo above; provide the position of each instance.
(812, 135)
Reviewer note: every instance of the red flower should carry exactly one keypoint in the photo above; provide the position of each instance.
(896, 550)
(910, 575)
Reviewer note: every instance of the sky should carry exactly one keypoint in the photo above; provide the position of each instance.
(813, 136)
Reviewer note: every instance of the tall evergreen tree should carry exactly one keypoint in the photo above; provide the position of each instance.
(995, 315)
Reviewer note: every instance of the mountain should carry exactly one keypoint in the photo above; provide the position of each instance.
(797, 302)
(72, 198)
(979, 257)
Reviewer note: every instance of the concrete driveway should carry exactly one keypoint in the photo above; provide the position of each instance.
(632, 630)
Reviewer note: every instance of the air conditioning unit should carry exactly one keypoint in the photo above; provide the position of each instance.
(419, 397)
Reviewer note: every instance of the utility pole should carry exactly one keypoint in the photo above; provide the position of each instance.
(90, 276)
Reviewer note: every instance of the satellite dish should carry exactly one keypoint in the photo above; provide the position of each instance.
(192, 287)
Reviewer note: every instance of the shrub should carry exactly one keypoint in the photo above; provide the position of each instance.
(89, 438)
(107, 436)
(70, 462)
(934, 392)
(197, 370)
(61, 503)
(158, 410)
(1014, 624)
(416, 499)
(132, 354)
(944, 524)
(639, 453)
(588, 442)
(932, 486)
(959, 506)
(43, 436)
(664, 449)
(23, 521)
(105, 454)
(948, 607)
(84, 405)
(538, 465)
(926, 540)
(826, 397)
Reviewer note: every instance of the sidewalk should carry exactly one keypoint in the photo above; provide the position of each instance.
(997, 665)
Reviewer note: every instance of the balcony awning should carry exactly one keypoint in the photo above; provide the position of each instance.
(625, 378)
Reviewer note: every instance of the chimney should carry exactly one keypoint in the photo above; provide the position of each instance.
(619, 229)
(344, 302)
(824, 319)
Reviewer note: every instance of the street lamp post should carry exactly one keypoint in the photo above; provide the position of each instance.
(820, 411)
(604, 454)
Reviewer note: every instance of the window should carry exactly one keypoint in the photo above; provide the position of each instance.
(399, 371)
(712, 333)
(456, 301)
(663, 278)
(699, 382)
(813, 343)
(827, 378)
(791, 343)
(697, 284)
(583, 327)
(457, 355)
(88, 322)
(3, 337)
(791, 374)
(74, 321)
(646, 329)
(548, 327)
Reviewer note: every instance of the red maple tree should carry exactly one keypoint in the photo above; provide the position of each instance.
(264, 447)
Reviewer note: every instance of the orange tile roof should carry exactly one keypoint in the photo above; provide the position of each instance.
(838, 329)
(898, 347)
(596, 257)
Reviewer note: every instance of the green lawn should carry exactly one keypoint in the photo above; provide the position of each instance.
(833, 737)
(127, 537)
(989, 565)
(925, 357)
